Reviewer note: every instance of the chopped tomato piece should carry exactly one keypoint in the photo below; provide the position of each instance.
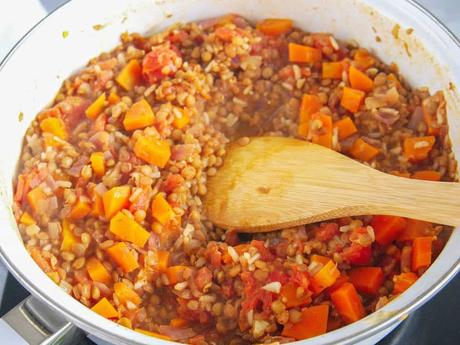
(172, 182)
(264, 251)
(73, 110)
(203, 278)
(159, 63)
(321, 41)
(326, 231)
(357, 254)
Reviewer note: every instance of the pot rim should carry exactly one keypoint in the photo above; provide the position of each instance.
(371, 329)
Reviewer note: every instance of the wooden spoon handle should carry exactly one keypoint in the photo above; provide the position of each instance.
(274, 183)
(437, 202)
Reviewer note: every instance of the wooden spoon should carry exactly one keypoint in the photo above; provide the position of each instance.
(273, 183)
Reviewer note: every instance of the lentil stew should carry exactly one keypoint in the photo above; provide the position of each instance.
(108, 192)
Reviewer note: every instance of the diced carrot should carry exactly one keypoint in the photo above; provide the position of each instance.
(428, 175)
(332, 70)
(320, 259)
(367, 280)
(113, 98)
(174, 274)
(305, 54)
(130, 75)
(421, 252)
(363, 151)
(98, 163)
(127, 229)
(79, 210)
(153, 334)
(326, 276)
(122, 256)
(140, 115)
(21, 188)
(415, 228)
(274, 26)
(125, 293)
(97, 208)
(162, 257)
(35, 198)
(322, 131)
(27, 219)
(387, 228)
(152, 150)
(363, 59)
(359, 80)
(403, 281)
(97, 271)
(348, 303)
(115, 199)
(418, 148)
(181, 121)
(55, 126)
(161, 210)
(68, 238)
(345, 127)
(303, 129)
(310, 104)
(313, 322)
(289, 294)
(96, 107)
(352, 99)
(105, 309)
(400, 173)
(178, 323)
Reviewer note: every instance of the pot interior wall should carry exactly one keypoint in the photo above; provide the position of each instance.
(33, 74)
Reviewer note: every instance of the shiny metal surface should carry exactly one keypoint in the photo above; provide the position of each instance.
(37, 324)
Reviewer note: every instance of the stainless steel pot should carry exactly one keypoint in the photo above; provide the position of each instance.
(34, 70)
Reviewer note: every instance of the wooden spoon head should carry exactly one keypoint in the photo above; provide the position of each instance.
(275, 182)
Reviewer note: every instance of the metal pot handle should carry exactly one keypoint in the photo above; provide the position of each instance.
(32, 322)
